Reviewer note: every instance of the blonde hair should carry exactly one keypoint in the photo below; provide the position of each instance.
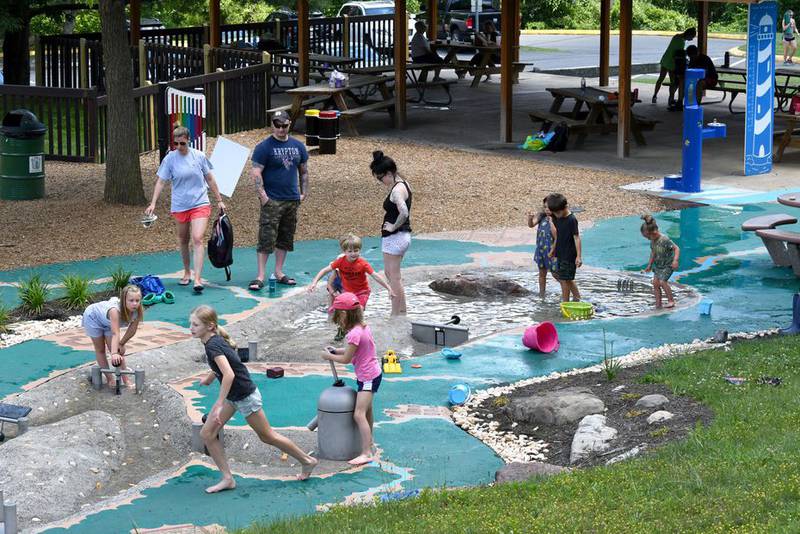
(350, 242)
(124, 313)
(649, 225)
(208, 316)
(179, 130)
(348, 319)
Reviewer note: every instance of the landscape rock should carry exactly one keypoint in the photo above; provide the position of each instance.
(659, 416)
(627, 455)
(559, 407)
(519, 471)
(651, 401)
(592, 437)
(478, 285)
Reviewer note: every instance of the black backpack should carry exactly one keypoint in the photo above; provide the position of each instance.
(560, 137)
(220, 244)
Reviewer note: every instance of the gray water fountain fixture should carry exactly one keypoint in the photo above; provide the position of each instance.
(337, 432)
(440, 334)
(96, 376)
(8, 516)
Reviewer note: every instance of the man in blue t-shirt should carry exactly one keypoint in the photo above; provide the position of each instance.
(280, 172)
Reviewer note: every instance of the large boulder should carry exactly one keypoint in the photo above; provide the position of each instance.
(559, 407)
(520, 471)
(592, 437)
(478, 285)
(49, 470)
(652, 401)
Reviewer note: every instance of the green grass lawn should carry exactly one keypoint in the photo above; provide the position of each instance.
(740, 474)
(540, 49)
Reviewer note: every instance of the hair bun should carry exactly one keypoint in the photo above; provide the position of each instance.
(647, 218)
(377, 155)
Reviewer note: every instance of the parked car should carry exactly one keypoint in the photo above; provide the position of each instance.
(458, 20)
(360, 9)
(286, 13)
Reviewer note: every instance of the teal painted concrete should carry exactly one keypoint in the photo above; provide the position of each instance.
(35, 359)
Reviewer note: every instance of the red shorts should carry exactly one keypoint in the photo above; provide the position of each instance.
(200, 212)
(363, 297)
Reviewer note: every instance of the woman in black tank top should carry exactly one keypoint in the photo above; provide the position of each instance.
(396, 227)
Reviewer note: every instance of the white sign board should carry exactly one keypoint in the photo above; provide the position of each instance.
(228, 160)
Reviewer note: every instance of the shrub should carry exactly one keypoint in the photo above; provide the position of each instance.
(33, 294)
(119, 279)
(500, 401)
(4, 320)
(611, 367)
(77, 289)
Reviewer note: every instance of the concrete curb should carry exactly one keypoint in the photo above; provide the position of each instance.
(733, 36)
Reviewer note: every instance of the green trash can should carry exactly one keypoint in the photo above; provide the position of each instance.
(21, 156)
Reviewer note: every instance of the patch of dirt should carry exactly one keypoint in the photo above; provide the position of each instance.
(57, 309)
(453, 190)
(621, 414)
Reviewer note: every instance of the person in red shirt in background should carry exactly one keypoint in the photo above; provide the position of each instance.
(352, 270)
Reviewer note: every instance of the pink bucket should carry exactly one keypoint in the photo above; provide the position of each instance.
(542, 337)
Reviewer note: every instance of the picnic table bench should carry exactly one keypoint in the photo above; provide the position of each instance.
(787, 139)
(776, 248)
(417, 79)
(485, 64)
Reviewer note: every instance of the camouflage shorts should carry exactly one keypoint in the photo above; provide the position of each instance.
(277, 225)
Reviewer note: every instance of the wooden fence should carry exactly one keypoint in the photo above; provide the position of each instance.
(77, 119)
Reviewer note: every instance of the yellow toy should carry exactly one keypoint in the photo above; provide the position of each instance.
(390, 363)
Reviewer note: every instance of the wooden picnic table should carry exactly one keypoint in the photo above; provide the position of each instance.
(787, 140)
(790, 199)
(451, 58)
(783, 92)
(320, 60)
(359, 88)
(417, 79)
(599, 117)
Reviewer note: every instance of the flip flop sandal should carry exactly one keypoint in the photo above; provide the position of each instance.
(256, 285)
(184, 282)
(151, 298)
(168, 297)
(285, 280)
(198, 288)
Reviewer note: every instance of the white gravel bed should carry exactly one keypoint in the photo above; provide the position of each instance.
(27, 330)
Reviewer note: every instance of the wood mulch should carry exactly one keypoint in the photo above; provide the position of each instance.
(621, 414)
(453, 190)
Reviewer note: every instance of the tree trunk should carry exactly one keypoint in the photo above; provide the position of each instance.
(123, 173)
(17, 67)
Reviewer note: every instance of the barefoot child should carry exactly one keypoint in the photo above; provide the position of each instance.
(236, 393)
(102, 322)
(568, 245)
(349, 314)
(545, 245)
(353, 271)
(664, 256)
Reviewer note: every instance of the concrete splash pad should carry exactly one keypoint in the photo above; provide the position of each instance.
(724, 264)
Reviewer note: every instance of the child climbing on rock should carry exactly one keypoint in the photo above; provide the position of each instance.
(545, 244)
(568, 246)
(349, 315)
(664, 256)
(103, 321)
(236, 393)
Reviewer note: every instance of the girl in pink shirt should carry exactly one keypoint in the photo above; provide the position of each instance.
(360, 351)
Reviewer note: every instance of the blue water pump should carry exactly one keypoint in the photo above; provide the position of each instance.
(693, 134)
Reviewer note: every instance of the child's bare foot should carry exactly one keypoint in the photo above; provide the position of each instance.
(305, 473)
(222, 485)
(670, 304)
(658, 305)
(361, 459)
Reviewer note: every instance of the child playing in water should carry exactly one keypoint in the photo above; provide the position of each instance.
(349, 314)
(236, 393)
(568, 245)
(103, 321)
(664, 256)
(353, 271)
(545, 244)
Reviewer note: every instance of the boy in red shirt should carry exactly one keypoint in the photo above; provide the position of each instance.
(352, 270)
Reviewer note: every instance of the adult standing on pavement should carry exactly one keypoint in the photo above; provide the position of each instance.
(280, 172)
(789, 42)
(677, 43)
(396, 228)
(189, 172)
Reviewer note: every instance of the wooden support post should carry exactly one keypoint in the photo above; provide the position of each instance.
(346, 36)
(303, 42)
(208, 59)
(605, 40)
(507, 17)
(142, 63)
(83, 64)
(433, 19)
(702, 27)
(266, 57)
(517, 31)
(136, 21)
(38, 60)
(400, 56)
(215, 38)
(221, 105)
(624, 85)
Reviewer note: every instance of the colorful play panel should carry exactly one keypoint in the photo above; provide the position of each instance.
(424, 449)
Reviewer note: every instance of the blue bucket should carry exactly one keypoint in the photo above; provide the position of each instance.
(459, 394)
(705, 306)
(451, 354)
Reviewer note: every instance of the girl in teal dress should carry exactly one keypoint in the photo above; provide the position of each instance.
(544, 255)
